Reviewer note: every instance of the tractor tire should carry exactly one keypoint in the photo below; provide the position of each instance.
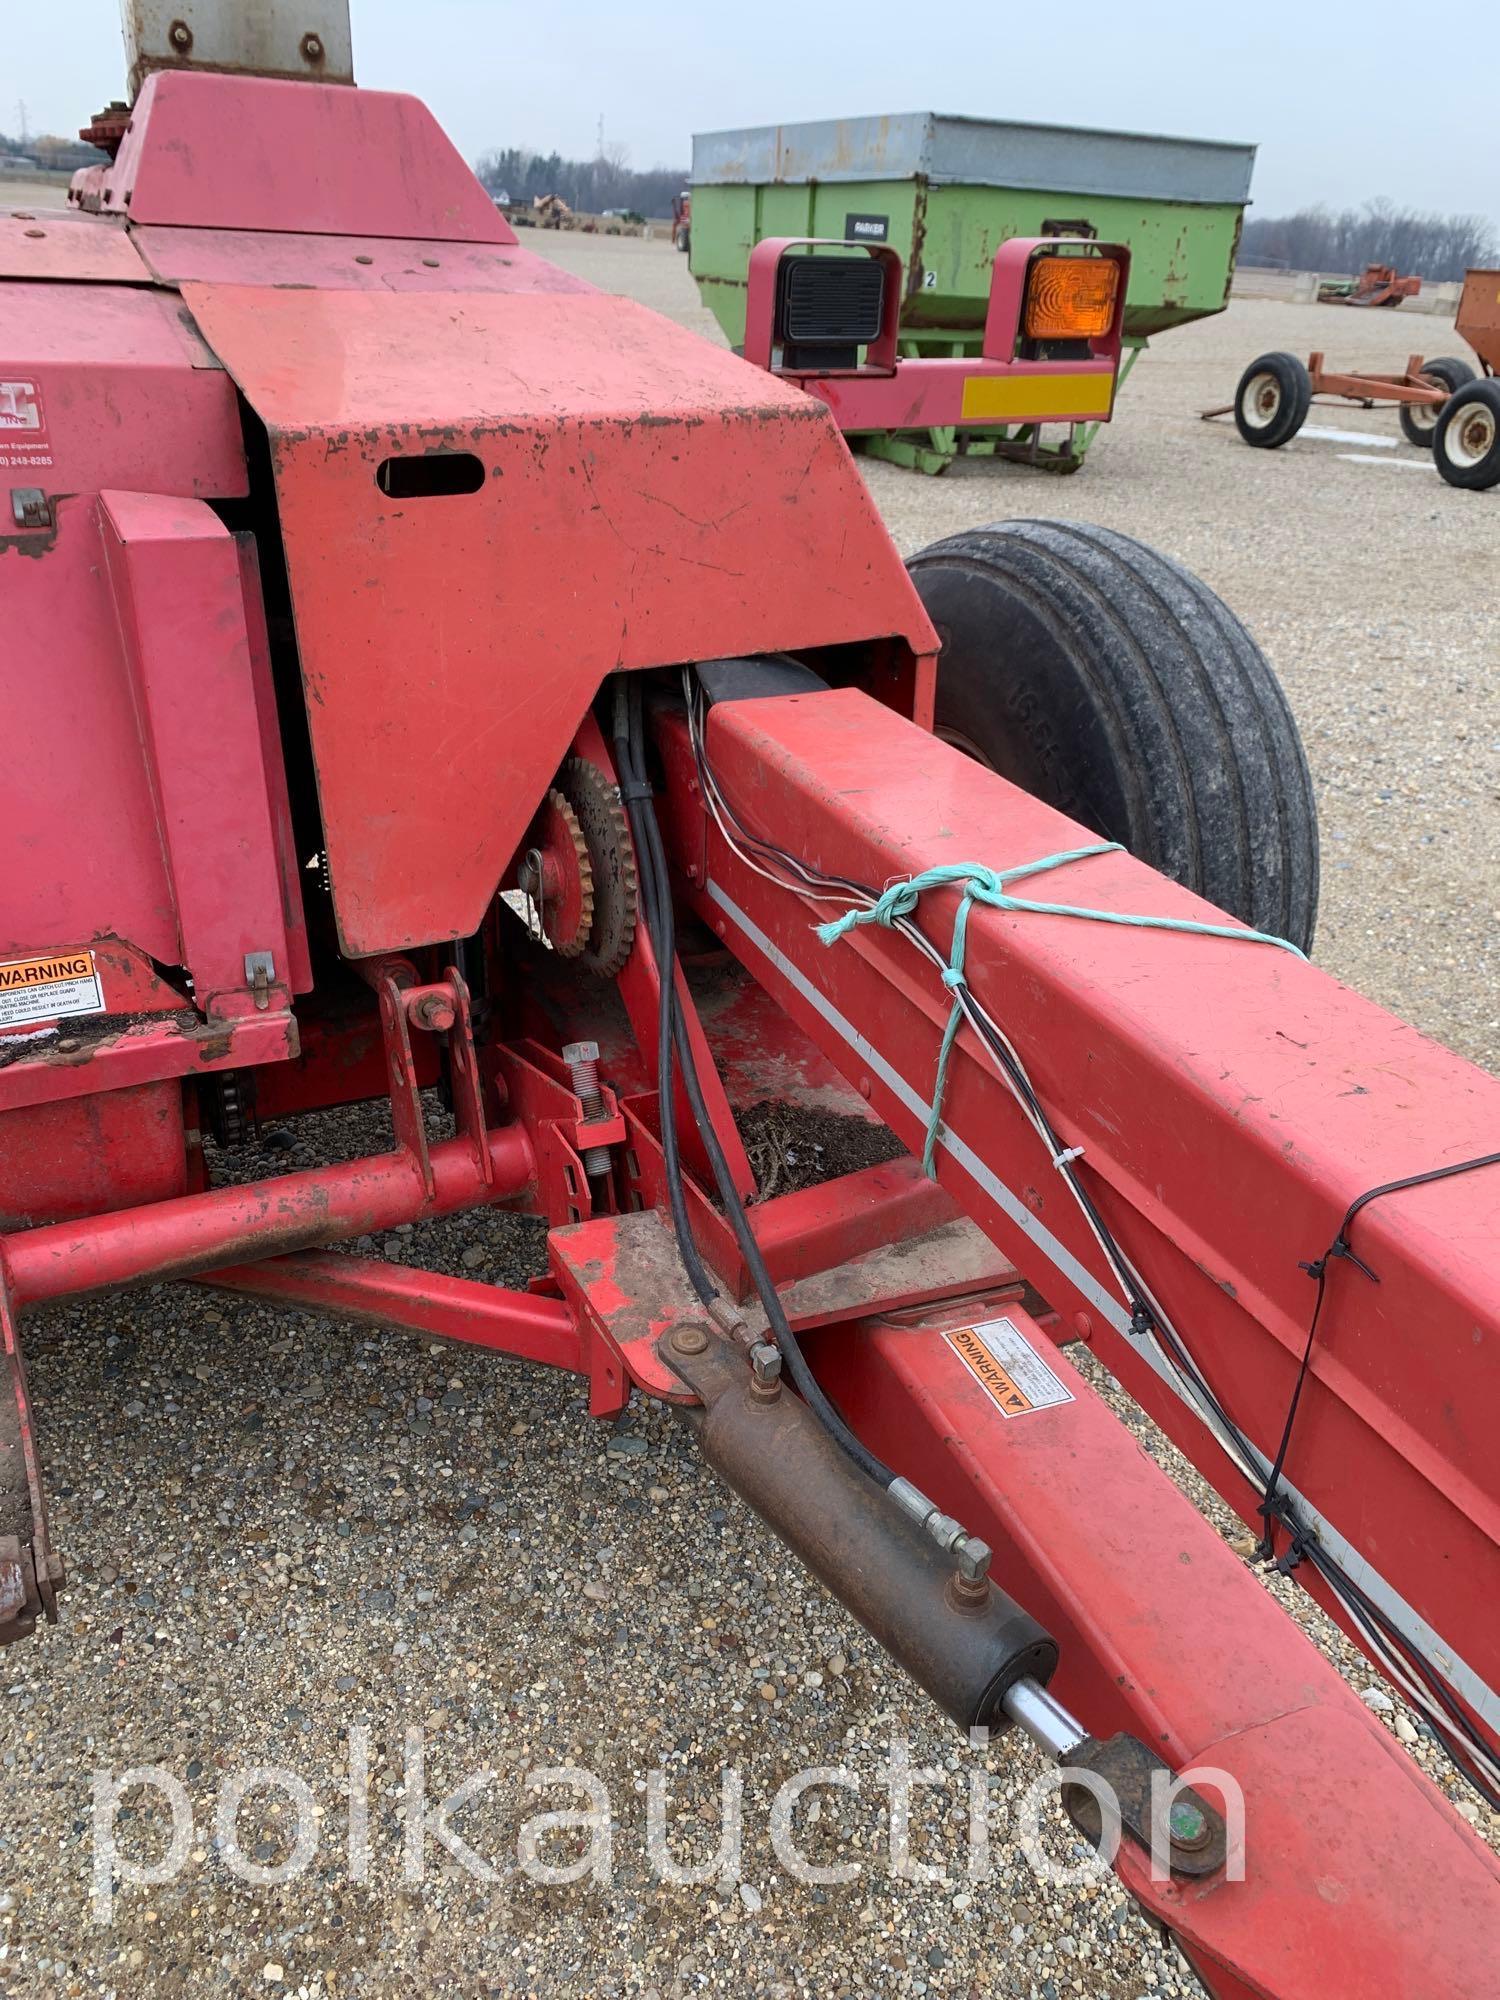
(1419, 420)
(1466, 437)
(1108, 681)
(1272, 400)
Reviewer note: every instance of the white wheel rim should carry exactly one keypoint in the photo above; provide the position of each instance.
(1471, 436)
(1260, 401)
(1424, 416)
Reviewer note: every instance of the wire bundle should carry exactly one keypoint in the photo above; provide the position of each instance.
(1150, 1327)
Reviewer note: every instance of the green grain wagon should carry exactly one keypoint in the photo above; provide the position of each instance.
(946, 191)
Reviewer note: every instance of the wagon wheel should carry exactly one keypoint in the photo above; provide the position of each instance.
(1272, 400)
(1419, 420)
(1105, 679)
(1466, 438)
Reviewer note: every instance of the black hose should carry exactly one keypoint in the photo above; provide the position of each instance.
(661, 934)
(657, 894)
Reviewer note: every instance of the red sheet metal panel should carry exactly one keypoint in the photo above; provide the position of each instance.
(56, 243)
(645, 499)
(248, 152)
(79, 851)
(346, 263)
(1230, 1100)
(110, 388)
(87, 1155)
(174, 569)
(107, 387)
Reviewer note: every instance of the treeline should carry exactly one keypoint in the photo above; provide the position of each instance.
(47, 150)
(1345, 240)
(589, 185)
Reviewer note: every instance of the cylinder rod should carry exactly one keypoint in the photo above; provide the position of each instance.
(1044, 1718)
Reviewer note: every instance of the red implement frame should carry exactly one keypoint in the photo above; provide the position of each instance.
(1286, 1096)
(637, 492)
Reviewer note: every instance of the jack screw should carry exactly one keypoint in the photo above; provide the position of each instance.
(582, 1059)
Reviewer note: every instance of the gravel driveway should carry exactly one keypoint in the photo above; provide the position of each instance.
(291, 1540)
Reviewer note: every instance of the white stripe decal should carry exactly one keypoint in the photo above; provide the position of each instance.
(1408, 1622)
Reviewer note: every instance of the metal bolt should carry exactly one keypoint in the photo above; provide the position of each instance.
(1188, 1825)
(582, 1059)
(689, 1339)
(765, 1365)
(766, 1361)
(433, 1011)
(180, 35)
(312, 48)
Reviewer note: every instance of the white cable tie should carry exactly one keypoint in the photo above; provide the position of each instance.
(1066, 1156)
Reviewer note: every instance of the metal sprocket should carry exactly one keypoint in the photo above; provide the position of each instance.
(595, 799)
(563, 891)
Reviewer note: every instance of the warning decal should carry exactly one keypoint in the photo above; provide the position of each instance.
(1008, 1367)
(49, 989)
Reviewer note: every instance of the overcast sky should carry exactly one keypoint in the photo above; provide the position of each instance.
(1331, 126)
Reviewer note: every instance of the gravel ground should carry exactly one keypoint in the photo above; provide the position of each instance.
(284, 1532)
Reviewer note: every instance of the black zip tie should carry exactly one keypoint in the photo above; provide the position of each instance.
(1274, 1505)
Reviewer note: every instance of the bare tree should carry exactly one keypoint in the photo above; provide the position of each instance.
(590, 186)
(1429, 246)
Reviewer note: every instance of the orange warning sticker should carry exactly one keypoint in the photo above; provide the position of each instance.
(1008, 1367)
(49, 989)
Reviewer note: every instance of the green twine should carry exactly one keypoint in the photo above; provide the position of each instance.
(988, 886)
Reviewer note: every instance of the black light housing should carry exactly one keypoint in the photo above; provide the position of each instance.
(827, 308)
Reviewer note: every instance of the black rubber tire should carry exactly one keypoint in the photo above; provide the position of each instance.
(1475, 406)
(1291, 385)
(1108, 681)
(1419, 420)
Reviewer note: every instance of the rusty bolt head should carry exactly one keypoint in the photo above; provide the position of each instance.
(180, 35)
(312, 48)
(967, 1594)
(433, 1011)
(689, 1339)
